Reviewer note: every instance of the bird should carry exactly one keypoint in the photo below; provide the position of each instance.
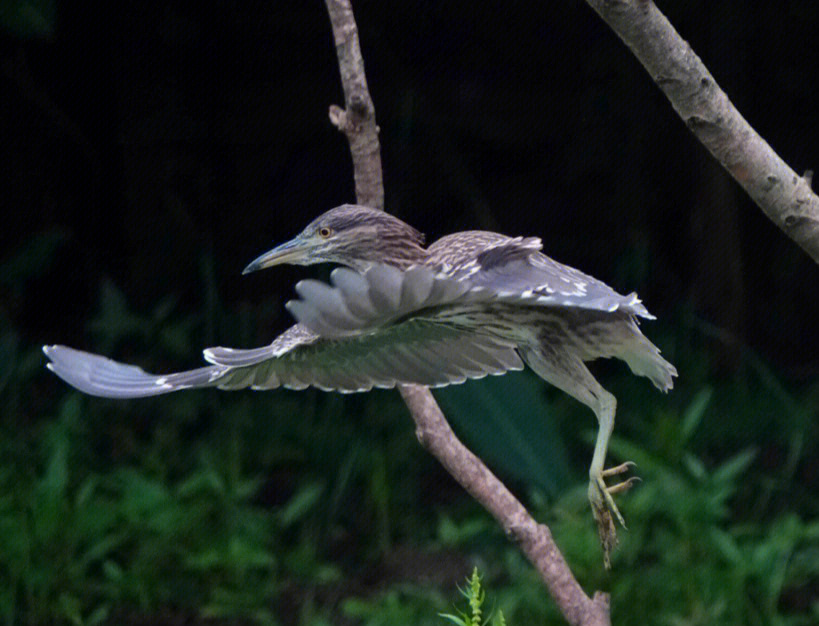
(471, 304)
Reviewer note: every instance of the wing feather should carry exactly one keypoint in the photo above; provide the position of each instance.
(411, 352)
(515, 273)
(517, 268)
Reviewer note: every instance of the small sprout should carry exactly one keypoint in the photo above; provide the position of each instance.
(475, 596)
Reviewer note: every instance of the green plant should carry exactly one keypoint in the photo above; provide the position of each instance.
(475, 596)
(55, 535)
(278, 507)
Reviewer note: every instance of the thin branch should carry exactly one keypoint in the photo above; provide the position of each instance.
(432, 429)
(357, 119)
(784, 196)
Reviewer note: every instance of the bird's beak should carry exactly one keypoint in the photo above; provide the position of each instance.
(292, 252)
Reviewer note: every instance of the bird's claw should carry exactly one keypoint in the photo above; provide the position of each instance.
(604, 508)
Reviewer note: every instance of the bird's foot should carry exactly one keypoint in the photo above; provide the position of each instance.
(604, 508)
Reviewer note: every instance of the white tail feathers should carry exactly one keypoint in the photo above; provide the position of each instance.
(644, 360)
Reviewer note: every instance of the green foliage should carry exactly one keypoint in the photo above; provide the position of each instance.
(685, 558)
(54, 538)
(283, 508)
(400, 604)
(529, 448)
(475, 596)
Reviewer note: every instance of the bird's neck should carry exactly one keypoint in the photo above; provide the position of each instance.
(402, 258)
(407, 256)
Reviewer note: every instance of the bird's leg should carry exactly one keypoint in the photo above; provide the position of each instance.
(601, 497)
(555, 363)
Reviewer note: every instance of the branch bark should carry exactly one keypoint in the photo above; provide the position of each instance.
(784, 196)
(357, 121)
(534, 540)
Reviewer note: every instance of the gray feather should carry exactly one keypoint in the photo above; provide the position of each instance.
(233, 357)
(416, 288)
(329, 304)
(384, 286)
(517, 268)
(99, 376)
(412, 352)
(515, 273)
(356, 291)
(310, 316)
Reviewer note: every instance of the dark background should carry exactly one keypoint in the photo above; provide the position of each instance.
(146, 133)
(152, 149)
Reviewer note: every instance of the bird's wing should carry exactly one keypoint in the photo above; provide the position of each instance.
(100, 376)
(356, 303)
(384, 295)
(516, 268)
(413, 352)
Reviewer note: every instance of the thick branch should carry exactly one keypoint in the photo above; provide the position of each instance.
(432, 429)
(785, 197)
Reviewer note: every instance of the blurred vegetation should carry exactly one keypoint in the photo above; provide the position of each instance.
(309, 508)
(153, 149)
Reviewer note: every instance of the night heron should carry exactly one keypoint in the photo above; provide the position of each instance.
(471, 304)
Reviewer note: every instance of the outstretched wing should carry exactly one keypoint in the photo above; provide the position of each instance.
(363, 303)
(414, 352)
(100, 376)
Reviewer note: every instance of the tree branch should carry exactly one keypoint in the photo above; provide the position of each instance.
(535, 540)
(785, 197)
(357, 119)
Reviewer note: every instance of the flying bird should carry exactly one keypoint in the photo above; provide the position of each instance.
(471, 304)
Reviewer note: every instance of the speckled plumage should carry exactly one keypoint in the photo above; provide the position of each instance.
(473, 303)
(519, 299)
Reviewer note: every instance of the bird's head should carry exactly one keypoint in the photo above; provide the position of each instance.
(351, 235)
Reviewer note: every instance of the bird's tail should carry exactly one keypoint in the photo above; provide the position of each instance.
(643, 358)
(100, 376)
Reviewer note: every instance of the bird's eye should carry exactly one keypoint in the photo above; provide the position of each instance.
(325, 232)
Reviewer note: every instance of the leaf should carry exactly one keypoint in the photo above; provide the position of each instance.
(50, 504)
(205, 481)
(85, 491)
(734, 466)
(455, 619)
(36, 256)
(101, 548)
(695, 466)
(98, 615)
(505, 420)
(113, 571)
(727, 547)
(246, 554)
(301, 503)
(114, 319)
(693, 414)
(70, 608)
